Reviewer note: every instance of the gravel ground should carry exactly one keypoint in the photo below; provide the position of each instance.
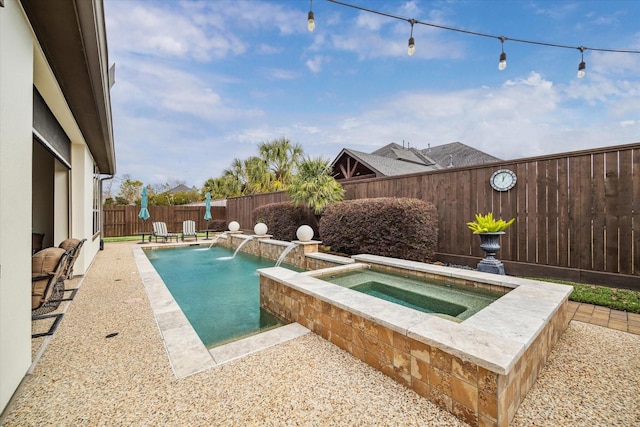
(84, 378)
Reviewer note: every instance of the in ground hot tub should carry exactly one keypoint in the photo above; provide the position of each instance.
(479, 369)
(443, 298)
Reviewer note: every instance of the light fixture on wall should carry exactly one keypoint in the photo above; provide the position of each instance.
(311, 22)
(582, 66)
(412, 43)
(503, 56)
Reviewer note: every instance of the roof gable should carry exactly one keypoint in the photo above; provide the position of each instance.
(394, 159)
(352, 164)
(457, 154)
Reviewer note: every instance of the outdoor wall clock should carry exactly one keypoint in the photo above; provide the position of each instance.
(503, 180)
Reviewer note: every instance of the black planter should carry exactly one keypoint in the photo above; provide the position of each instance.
(490, 244)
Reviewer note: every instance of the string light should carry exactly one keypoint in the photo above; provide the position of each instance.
(311, 22)
(412, 42)
(582, 66)
(503, 56)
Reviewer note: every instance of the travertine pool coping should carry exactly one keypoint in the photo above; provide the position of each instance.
(186, 352)
(493, 338)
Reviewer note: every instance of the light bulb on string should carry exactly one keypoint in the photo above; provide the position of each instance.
(582, 66)
(412, 46)
(412, 43)
(503, 56)
(311, 22)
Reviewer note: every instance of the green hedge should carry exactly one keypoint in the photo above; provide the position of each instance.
(217, 225)
(394, 227)
(283, 219)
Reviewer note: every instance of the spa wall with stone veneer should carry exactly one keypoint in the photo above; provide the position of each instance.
(470, 386)
(305, 255)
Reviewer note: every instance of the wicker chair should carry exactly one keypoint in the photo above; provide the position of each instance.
(76, 245)
(48, 269)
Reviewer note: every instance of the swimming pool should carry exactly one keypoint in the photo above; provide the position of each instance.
(450, 301)
(219, 295)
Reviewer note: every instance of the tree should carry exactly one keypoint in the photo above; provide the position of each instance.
(313, 186)
(272, 171)
(223, 187)
(130, 190)
(251, 175)
(282, 158)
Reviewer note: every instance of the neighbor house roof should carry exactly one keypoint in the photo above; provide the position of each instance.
(181, 188)
(394, 159)
(352, 164)
(396, 151)
(457, 154)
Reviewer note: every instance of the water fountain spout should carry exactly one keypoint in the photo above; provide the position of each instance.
(285, 252)
(241, 245)
(215, 239)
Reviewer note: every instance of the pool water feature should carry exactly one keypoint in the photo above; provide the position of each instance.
(219, 297)
(448, 300)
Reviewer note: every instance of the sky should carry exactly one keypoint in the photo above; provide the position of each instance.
(201, 83)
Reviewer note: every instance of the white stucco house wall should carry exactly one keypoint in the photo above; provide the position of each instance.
(56, 145)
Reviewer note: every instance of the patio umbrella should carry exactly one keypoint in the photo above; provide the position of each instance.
(207, 211)
(144, 212)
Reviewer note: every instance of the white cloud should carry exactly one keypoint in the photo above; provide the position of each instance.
(164, 88)
(149, 29)
(523, 117)
(281, 74)
(267, 49)
(315, 64)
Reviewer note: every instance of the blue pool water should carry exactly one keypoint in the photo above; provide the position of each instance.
(220, 296)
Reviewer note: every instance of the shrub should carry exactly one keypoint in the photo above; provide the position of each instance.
(283, 219)
(217, 225)
(394, 227)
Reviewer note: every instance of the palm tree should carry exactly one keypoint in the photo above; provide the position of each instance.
(222, 187)
(313, 185)
(282, 158)
(251, 175)
(259, 179)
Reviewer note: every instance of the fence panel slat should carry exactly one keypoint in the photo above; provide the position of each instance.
(563, 212)
(612, 208)
(635, 232)
(626, 204)
(598, 213)
(552, 212)
(542, 212)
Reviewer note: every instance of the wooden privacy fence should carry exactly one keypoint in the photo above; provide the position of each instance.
(577, 214)
(124, 221)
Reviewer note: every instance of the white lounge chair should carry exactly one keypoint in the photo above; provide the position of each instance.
(160, 230)
(189, 229)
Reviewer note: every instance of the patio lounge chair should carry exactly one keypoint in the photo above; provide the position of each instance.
(48, 268)
(189, 229)
(160, 230)
(76, 245)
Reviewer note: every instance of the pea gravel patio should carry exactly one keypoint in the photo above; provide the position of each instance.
(84, 378)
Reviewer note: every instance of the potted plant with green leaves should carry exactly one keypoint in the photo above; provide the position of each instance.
(489, 229)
